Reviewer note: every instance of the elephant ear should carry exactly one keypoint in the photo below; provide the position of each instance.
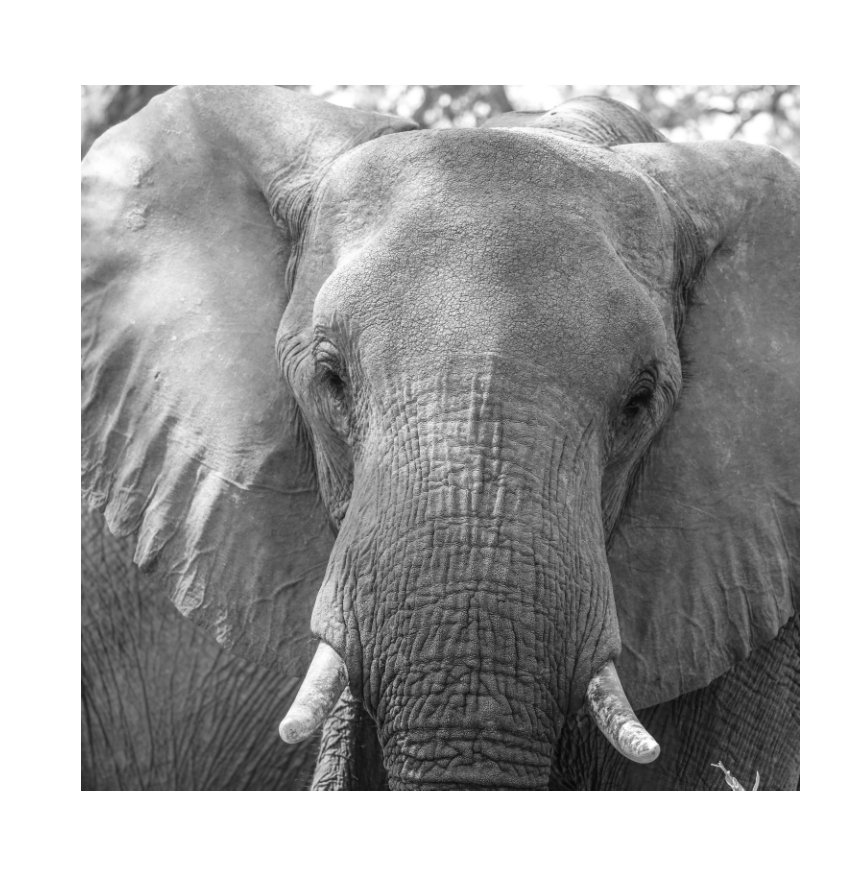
(705, 558)
(192, 442)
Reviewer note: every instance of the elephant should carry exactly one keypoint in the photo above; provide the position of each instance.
(490, 435)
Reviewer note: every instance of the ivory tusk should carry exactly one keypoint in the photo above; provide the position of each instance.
(615, 718)
(326, 678)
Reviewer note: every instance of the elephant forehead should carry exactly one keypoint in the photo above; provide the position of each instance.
(480, 241)
(486, 164)
(523, 187)
(472, 293)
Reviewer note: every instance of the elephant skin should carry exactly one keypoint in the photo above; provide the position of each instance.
(484, 415)
(163, 706)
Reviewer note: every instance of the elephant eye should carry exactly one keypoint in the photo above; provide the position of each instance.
(641, 395)
(333, 384)
(328, 361)
(638, 401)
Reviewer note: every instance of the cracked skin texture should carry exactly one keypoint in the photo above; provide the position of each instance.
(481, 337)
(558, 315)
(754, 706)
(163, 706)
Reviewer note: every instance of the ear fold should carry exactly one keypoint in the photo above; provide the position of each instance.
(191, 439)
(705, 559)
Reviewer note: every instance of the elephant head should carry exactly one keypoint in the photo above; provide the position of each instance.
(486, 419)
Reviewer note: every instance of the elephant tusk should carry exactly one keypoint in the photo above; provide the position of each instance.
(615, 718)
(326, 678)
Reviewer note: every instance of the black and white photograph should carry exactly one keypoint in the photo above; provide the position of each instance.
(440, 437)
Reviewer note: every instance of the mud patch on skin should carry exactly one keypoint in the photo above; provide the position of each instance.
(141, 171)
(135, 218)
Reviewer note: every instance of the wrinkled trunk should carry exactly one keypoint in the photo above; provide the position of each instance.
(469, 591)
(473, 663)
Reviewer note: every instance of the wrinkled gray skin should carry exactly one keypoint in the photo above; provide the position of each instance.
(479, 370)
(464, 413)
(163, 706)
(469, 421)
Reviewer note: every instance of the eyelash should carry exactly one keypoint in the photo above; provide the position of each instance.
(326, 355)
(641, 397)
(334, 383)
(331, 373)
(639, 401)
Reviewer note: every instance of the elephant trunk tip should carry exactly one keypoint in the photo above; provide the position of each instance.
(325, 681)
(612, 713)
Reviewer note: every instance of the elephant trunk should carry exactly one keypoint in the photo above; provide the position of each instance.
(479, 627)
(467, 706)
(468, 591)
(461, 760)
(512, 757)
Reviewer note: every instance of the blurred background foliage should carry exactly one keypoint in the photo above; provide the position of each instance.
(755, 113)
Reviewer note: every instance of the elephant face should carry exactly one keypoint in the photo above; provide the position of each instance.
(476, 346)
(470, 369)
(419, 255)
